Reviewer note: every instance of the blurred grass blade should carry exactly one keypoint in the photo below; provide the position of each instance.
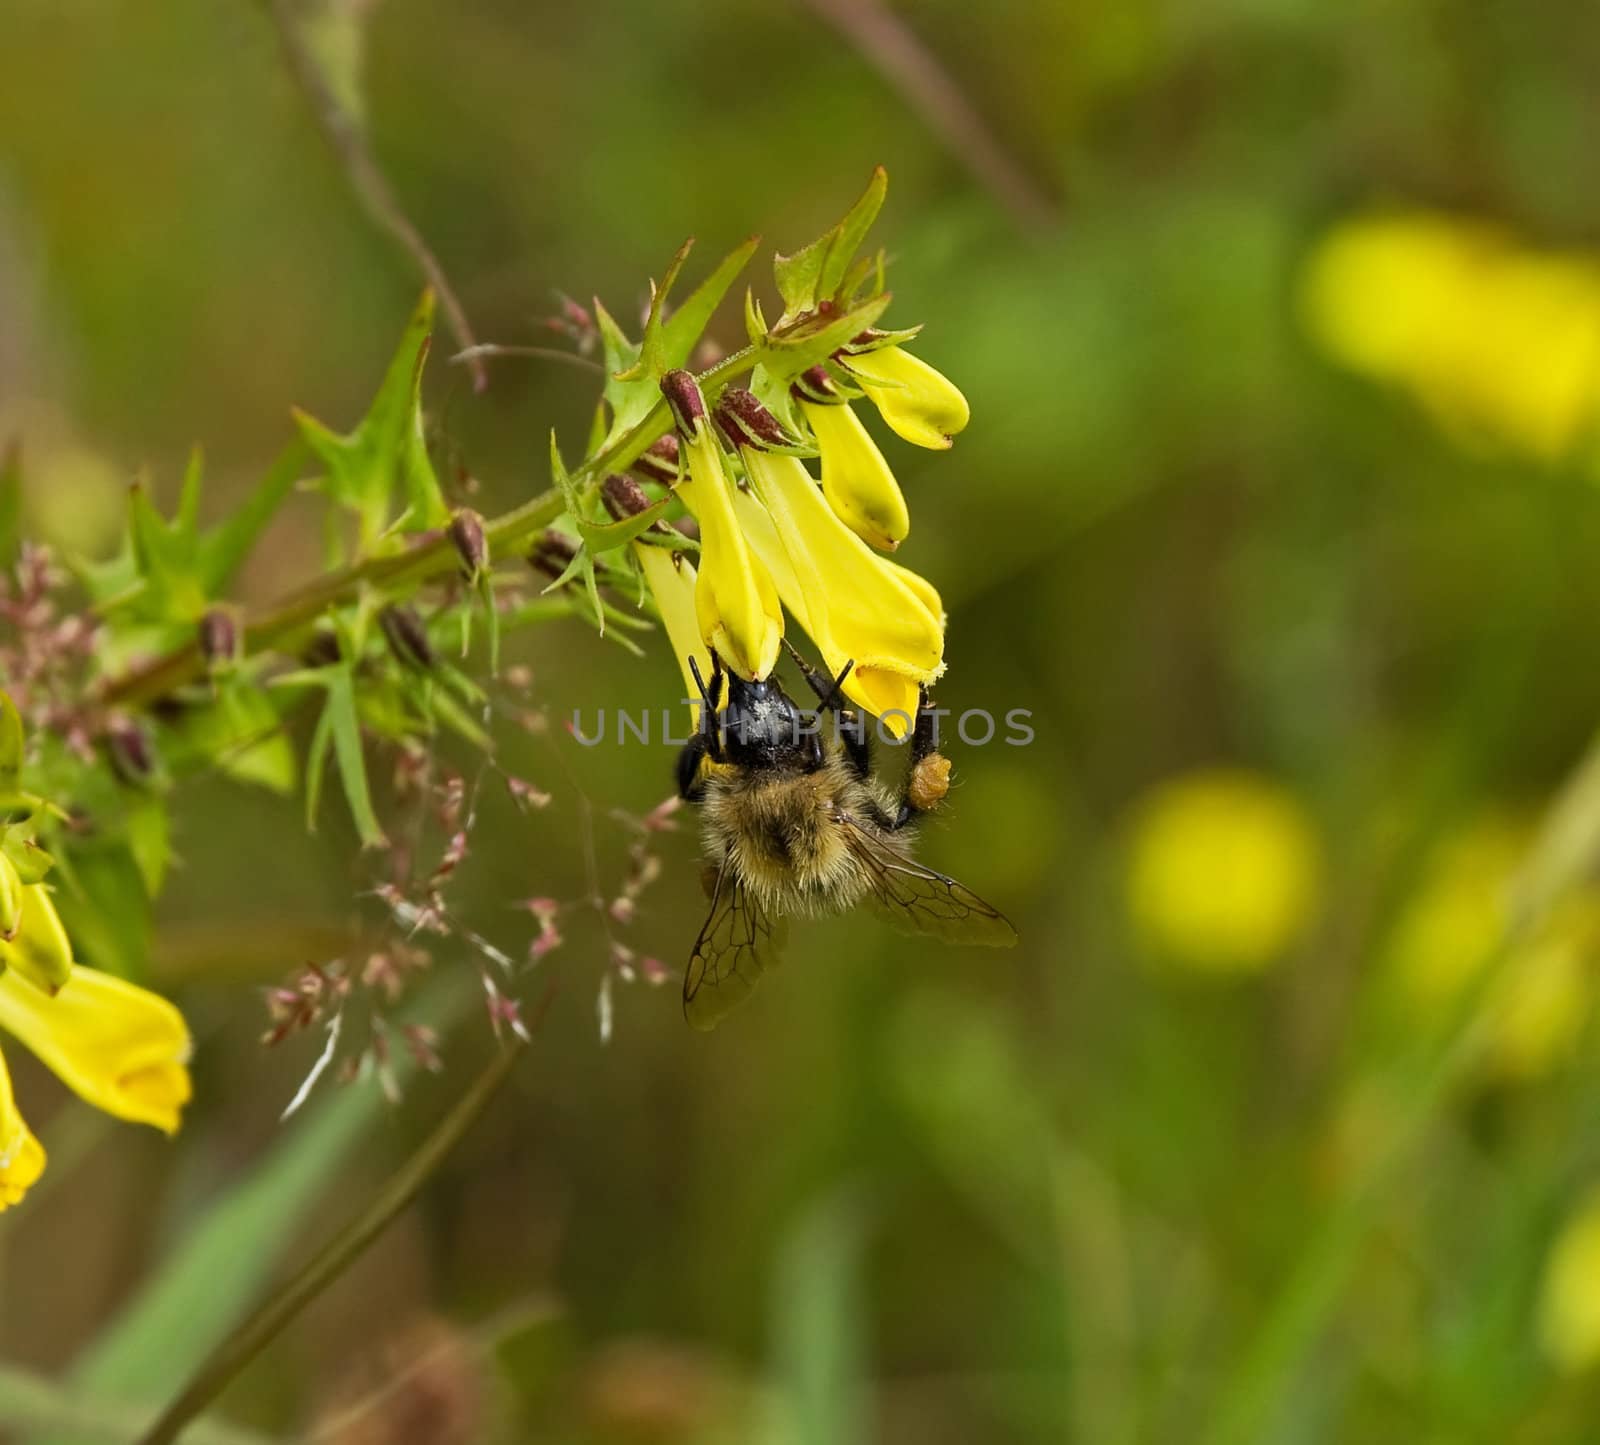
(28, 1402)
(222, 1264)
(817, 1315)
(245, 1342)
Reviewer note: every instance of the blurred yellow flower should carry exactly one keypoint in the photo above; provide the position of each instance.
(120, 1047)
(1536, 1015)
(1569, 1298)
(1224, 871)
(1499, 342)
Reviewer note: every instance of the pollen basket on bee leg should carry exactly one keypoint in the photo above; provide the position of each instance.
(930, 782)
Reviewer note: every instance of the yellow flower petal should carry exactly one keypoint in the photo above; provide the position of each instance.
(21, 1156)
(921, 404)
(855, 606)
(736, 604)
(856, 480)
(118, 1046)
(670, 576)
(1569, 1299)
(41, 952)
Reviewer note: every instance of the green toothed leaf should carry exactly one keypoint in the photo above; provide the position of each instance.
(381, 471)
(817, 272)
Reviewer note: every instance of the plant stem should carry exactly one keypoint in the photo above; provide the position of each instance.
(256, 1332)
(429, 558)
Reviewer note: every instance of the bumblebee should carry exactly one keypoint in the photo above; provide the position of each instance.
(795, 824)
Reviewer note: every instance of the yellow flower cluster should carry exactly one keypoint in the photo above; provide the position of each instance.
(1224, 872)
(773, 539)
(1500, 342)
(120, 1047)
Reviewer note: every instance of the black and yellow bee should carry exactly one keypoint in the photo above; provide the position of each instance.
(795, 823)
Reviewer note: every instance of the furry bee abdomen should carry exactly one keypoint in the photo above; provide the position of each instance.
(782, 836)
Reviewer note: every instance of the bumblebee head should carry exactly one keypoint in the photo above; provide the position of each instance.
(762, 727)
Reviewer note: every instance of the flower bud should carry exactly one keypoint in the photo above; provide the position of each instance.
(660, 461)
(129, 751)
(41, 952)
(406, 635)
(623, 496)
(466, 534)
(685, 400)
(323, 649)
(218, 636)
(10, 899)
(747, 423)
(552, 552)
(919, 403)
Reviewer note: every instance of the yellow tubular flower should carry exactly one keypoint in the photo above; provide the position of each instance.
(21, 1157)
(40, 953)
(854, 606)
(920, 404)
(118, 1046)
(670, 576)
(10, 899)
(736, 603)
(855, 478)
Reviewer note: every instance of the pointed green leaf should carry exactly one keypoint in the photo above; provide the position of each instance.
(606, 536)
(683, 329)
(345, 728)
(13, 744)
(816, 272)
(145, 825)
(381, 471)
(228, 544)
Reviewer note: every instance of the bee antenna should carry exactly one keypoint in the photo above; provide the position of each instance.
(700, 682)
(835, 695)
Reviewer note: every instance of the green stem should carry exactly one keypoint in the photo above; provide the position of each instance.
(255, 1333)
(427, 559)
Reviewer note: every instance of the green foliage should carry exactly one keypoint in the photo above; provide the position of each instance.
(384, 464)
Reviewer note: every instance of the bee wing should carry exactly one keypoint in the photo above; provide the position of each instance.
(739, 943)
(919, 900)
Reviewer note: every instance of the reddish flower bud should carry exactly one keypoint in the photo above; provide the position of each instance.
(218, 636)
(466, 533)
(406, 635)
(660, 461)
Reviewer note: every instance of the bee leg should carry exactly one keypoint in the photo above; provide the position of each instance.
(852, 735)
(928, 779)
(691, 786)
(707, 741)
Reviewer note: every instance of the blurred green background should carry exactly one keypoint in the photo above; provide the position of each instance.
(1293, 651)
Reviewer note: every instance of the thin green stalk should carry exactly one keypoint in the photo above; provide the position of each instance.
(431, 558)
(256, 1332)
